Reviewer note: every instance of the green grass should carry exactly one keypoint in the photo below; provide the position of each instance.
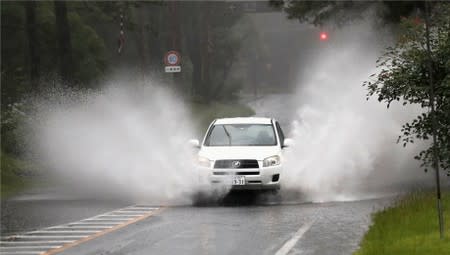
(204, 114)
(16, 175)
(410, 227)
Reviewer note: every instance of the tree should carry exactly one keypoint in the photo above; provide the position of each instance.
(64, 41)
(341, 12)
(404, 75)
(33, 42)
(212, 43)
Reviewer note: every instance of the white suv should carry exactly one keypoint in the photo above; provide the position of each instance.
(245, 153)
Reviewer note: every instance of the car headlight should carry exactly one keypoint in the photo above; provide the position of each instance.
(271, 161)
(202, 161)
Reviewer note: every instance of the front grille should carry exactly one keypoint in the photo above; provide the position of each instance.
(237, 173)
(236, 163)
(247, 173)
(220, 173)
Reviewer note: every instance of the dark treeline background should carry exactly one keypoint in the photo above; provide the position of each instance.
(77, 42)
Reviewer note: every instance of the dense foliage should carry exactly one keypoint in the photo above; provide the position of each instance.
(404, 75)
(76, 44)
(343, 12)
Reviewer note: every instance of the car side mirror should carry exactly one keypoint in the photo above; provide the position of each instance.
(194, 143)
(288, 142)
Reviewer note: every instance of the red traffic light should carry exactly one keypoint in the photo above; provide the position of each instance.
(323, 36)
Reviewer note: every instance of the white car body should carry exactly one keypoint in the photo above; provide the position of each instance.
(243, 167)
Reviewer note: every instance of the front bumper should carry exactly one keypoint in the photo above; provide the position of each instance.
(263, 178)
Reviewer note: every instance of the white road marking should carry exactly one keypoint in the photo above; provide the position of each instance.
(109, 220)
(54, 237)
(286, 248)
(115, 217)
(133, 211)
(37, 247)
(32, 242)
(22, 252)
(65, 232)
(48, 237)
(130, 211)
(123, 215)
(141, 207)
(81, 227)
(118, 214)
(85, 224)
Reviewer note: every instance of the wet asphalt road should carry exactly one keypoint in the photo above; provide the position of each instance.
(242, 223)
(241, 229)
(28, 213)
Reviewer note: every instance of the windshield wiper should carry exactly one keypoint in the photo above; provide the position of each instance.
(228, 135)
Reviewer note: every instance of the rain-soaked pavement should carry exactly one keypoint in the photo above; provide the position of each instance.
(242, 223)
(26, 213)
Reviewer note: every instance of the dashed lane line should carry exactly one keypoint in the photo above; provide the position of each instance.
(287, 247)
(86, 224)
(65, 232)
(55, 239)
(77, 227)
(6, 243)
(25, 236)
(35, 247)
(108, 220)
(23, 253)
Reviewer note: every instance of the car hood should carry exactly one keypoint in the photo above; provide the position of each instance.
(239, 152)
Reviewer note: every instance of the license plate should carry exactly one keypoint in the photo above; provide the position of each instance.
(238, 180)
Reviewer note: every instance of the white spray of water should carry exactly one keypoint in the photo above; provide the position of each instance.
(346, 146)
(129, 140)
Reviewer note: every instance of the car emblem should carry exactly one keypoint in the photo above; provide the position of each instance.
(236, 164)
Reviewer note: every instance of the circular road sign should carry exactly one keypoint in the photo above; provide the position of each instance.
(172, 58)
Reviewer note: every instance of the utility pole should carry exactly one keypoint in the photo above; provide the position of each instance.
(433, 122)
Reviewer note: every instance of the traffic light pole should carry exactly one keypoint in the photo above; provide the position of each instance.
(433, 123)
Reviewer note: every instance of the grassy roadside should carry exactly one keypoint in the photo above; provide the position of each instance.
(410, 227)
(16, 175)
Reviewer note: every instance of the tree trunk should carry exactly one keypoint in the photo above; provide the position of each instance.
(194, 54)
(194, 44)
(33, 42)
(141, 39)
(205, 53)
(64, 41)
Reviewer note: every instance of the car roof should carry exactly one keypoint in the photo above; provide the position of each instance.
(243, 120)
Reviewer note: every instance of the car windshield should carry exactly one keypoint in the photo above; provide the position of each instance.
(241, 135)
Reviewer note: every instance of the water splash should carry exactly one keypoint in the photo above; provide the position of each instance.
(128, 140)
(346, 146)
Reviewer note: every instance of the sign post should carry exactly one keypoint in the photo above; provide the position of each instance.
(172, 61)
